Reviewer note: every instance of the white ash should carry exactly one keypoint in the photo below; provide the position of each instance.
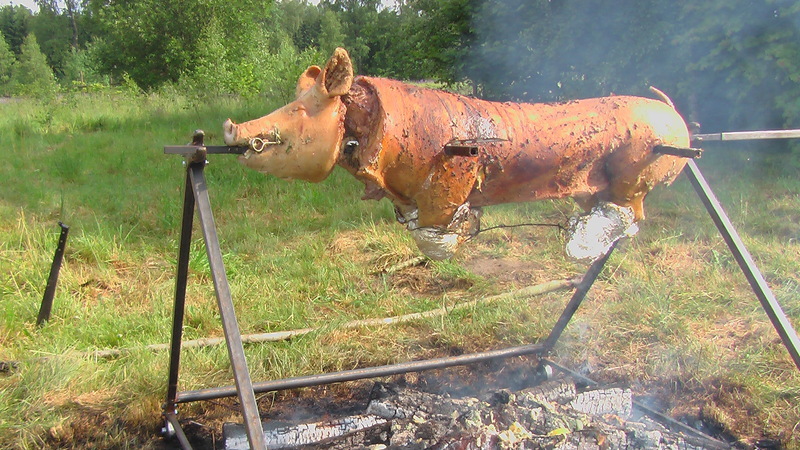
(304, 434)
(551, 415)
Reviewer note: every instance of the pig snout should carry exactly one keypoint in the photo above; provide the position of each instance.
(230, 133)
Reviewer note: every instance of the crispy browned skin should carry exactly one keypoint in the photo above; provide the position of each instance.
(592, 150)
(596, 149)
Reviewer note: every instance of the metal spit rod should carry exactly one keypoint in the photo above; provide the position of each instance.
(747, 135)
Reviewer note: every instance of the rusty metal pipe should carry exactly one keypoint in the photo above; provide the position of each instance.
(358, 374)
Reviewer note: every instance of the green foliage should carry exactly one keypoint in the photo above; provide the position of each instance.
(280, 68)
(7, 61)
(15, 25)
(54, 34)
(331, 33)
(370, 34)
(156, 42)
(443, 36)
(307, 25)
(744, 62)
(82, 69)
(31, 75)
(212, 67)
(268, 66)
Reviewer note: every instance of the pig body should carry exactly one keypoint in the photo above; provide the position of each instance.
(392, 136)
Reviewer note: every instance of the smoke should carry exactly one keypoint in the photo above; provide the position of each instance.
(728, 65)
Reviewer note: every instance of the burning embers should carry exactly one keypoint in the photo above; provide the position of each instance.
(440, 157)
(554, 414)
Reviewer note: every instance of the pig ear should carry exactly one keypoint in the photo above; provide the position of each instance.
(307, 80)
(338, 75)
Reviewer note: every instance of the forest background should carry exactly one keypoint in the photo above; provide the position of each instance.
(730, 65)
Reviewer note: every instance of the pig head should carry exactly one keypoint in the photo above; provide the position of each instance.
(301, 139)
(395, 137)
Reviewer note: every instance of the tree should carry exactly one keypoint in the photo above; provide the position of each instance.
(357, 18)
(14, 25)
(81, 68)
(155, 42)
(7, 61)
(744, 68)
(331, 33)
(53, 33)
(31, 75)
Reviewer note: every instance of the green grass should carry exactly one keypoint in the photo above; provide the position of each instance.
(671, 315)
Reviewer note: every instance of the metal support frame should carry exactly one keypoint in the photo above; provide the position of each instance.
(742, 256)
(196, 196)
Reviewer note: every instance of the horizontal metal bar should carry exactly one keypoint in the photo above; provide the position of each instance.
(683, 152)
(672, 423)
(359, 374)
(747, 135)
(210, 149)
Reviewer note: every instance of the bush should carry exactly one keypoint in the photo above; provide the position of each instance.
(81, 70)
(269, 65)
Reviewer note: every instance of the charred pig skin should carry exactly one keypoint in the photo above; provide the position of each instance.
(392, 136)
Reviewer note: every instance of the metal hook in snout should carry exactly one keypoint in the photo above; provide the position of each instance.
(257, 144)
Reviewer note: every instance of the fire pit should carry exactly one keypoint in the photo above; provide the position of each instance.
(558, 413)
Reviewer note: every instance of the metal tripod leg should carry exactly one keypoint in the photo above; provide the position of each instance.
(233, 337)
(197, 194)
(171, 427)
(757, 282)
(577, 298)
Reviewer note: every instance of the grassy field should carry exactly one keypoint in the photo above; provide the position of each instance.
(671, 316)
